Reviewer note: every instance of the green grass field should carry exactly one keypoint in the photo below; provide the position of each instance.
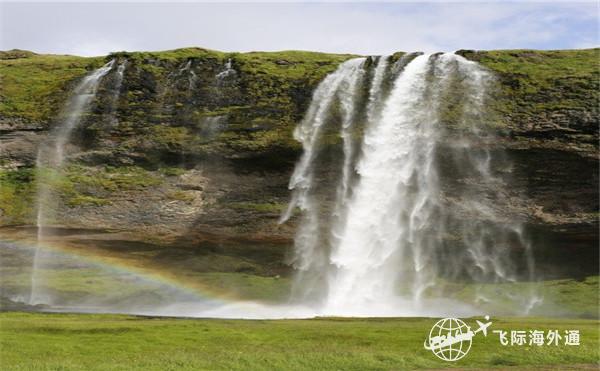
(119, 342)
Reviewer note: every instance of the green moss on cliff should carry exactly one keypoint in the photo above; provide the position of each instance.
(84, 200)
(546, 91)
(289, 64)
(169, 139)
(250, 111)
(112, 178)
(264, 207)
(17, 192)
(34, 87)
(169, 55)
(75, 186)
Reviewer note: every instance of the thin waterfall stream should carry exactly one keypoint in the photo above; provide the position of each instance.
(50, 160)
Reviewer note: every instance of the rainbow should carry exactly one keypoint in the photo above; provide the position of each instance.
(198, 290)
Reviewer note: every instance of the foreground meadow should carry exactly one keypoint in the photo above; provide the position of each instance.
(38, 341)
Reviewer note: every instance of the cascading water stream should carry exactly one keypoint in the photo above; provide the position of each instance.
(82, 96)
(120, 73)
(228, 71)
(364, 257)
(307, 259)
(191, 75)
(395, 239)
(117, 92)
(376, 91)
(50, 160)
(347, 95)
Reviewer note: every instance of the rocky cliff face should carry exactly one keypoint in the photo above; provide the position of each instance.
(546, 99)
(191, 137)
(192, 142)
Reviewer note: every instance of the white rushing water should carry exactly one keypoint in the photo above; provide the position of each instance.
(80, 99)
(49, 162)
(308, 259)
(391, 241)
(191, 75)
(365, 255)
(117, 92)
(227, 72)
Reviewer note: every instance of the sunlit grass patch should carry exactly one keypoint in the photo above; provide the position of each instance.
(75, 342)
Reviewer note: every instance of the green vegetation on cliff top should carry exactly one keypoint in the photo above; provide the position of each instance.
(535, 85)
(34, 86)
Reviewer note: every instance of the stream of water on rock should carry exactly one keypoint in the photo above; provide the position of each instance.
(117, 92)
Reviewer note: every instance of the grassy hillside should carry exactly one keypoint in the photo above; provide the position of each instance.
(35, 86)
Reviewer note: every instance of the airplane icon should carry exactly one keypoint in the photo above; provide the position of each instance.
(483, 326)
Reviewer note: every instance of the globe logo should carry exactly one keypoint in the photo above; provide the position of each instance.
(450, 339)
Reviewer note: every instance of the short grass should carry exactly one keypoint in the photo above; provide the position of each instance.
(33, 87)
(118, 342)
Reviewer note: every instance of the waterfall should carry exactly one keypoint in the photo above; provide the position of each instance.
(49, 162)
(228, 71)
(347, 94)
(396, 236)
(83, 94)
(192, 77)
(375, 91)
(120, 72)
(117, 92)
(364, 255)
(307, 258)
